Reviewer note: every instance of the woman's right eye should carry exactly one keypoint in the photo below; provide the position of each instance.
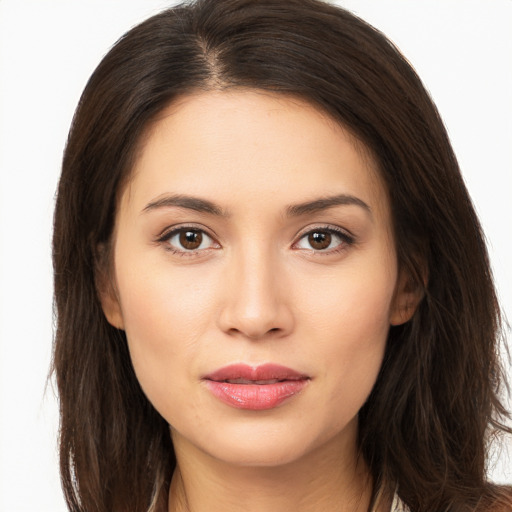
(188, 240)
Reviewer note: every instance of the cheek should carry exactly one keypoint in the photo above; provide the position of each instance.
(166, 315)
(350, 325)
(352, 304)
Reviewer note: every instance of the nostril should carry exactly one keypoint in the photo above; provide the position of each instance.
(255, 322)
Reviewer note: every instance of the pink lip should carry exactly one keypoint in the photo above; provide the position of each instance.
(253, 392)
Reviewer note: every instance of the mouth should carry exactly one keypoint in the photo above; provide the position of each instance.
(258, 382)
(255, 388)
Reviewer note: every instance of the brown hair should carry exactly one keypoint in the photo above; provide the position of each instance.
(425, 427)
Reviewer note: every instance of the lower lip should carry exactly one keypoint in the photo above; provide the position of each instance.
(255, 397)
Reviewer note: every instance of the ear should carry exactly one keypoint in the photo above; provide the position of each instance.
(107, 289)
(408, 295)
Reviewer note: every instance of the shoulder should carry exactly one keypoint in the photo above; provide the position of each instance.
(499, 499)
(398, 505)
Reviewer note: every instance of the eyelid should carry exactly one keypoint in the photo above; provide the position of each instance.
(164, 233)
(346, 236)
(171, 231)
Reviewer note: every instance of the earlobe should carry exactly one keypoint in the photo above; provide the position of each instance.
(107, 290)
(407, 298)
(111, 308)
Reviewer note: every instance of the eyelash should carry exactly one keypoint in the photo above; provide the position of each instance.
(167, 235)
(346, 240)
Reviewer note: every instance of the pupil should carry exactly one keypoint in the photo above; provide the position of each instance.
(320, 240)
(191, 239)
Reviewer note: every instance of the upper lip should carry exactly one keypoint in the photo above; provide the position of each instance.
(264, 372)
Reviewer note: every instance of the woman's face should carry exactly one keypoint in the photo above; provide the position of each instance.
(255, 276)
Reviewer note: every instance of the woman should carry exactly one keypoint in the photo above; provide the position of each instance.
(272, 289)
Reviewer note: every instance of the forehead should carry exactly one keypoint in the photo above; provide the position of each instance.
(251, 146)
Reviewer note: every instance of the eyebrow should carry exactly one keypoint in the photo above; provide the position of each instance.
(324, 203)
(183, 201)
(295, 210)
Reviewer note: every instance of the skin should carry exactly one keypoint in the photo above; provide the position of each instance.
(256, 291)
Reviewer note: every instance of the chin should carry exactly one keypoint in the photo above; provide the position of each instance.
(266, 454)
(271, 444)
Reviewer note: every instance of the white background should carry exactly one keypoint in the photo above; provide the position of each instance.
(462, 49)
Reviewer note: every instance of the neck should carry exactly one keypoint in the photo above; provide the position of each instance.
(333, 478)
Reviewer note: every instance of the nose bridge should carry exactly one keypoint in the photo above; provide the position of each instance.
(255, 305)
(256, 275)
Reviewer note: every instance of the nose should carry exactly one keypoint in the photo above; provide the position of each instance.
(256, 303)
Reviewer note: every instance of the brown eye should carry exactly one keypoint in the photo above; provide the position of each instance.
(190, 240)
(319, 240)
(324, 240)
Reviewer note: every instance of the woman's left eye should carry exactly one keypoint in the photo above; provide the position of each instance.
(324, 240)
(188, 240)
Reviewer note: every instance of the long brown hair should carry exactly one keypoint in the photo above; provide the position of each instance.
(425, 427)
